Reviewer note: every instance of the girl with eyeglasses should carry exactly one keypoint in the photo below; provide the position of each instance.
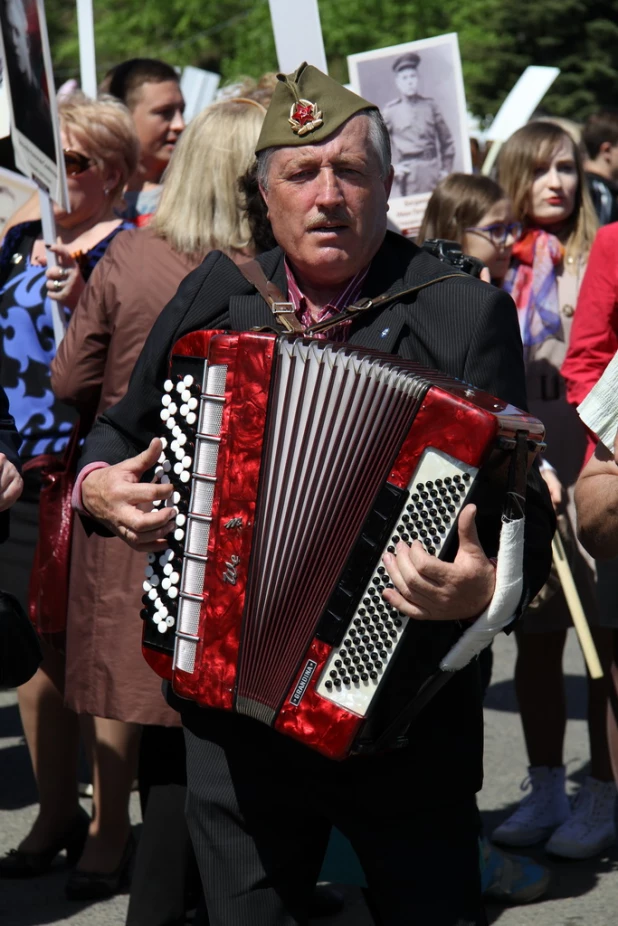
(474, 211)
(541, 170)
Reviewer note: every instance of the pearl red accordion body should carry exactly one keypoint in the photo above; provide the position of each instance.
(296, 464)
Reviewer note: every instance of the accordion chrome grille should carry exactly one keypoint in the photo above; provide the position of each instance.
(336, 423)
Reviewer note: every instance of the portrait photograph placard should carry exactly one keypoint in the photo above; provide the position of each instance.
(28, 74)
(419, 89)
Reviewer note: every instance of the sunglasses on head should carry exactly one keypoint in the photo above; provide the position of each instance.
(75, 163)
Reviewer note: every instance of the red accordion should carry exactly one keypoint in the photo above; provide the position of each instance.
(296, 464)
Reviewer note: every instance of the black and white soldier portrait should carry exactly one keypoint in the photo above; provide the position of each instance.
(422, 143)
(419, 89)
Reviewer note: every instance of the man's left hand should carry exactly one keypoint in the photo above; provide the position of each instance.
(426, 588)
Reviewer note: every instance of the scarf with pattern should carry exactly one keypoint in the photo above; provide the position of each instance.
(533, 284)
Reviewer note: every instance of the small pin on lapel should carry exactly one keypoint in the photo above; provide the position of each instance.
(385, 332)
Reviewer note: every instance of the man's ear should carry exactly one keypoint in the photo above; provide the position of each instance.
(263, 193)
(605, 147)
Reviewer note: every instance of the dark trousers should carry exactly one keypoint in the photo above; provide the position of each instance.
(165, 879)
(260, 808)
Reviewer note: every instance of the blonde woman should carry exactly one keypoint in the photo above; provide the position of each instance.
(100, 153)
(541, 171)
(201, 209)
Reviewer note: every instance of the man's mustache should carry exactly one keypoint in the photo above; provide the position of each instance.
(339, 217)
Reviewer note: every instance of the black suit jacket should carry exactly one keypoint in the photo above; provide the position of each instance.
(460, 326)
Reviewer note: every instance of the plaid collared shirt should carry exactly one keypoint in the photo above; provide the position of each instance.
(345, 298)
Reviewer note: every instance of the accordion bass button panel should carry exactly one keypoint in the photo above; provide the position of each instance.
(161, 585)
(355, 669)
(174, 582)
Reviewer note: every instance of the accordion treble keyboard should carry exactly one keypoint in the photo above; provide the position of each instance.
(354, 670)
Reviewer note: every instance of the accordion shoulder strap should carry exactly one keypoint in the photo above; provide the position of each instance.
(283, 310)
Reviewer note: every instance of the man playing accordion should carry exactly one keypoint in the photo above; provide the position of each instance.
(261, 805)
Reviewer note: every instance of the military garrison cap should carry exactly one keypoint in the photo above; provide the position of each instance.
(306, 108)
(411, 60)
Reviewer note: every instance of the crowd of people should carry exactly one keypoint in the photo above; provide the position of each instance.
(164, 217)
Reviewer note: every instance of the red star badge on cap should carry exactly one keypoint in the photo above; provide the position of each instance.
(305, 117)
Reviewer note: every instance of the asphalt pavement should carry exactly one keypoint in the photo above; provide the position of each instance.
(580, 894)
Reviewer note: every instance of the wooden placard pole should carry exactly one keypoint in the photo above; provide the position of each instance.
(573, 600)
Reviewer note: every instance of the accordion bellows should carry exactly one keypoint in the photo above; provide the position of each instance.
(296, 464)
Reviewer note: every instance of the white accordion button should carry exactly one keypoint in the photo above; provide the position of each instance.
(175, 498)
(173, 592)
(185, 476)
(146, 586)
(156, 618)
(165, 584)
(175, 578)
(166, 400)
(180, 387)
(168, 569)
(191, 418)
(173, 408)
(192, 403)
(164, 414)
(154, 580)
(149, 571)
(176, 430)
(163, 442)
(186, 462)
(169, 621)
(167, 466)
(161, 626)
(153, 594)
(181, 520)
(188, 380)
(168, 385)
(179, 534)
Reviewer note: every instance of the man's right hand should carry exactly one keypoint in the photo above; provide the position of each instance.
(116, 497)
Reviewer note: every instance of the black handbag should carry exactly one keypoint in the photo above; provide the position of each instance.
(20, 651)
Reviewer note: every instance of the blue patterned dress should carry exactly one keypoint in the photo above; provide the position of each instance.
(27, 341)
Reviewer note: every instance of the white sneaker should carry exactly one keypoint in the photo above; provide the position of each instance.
(591, 826)
(540, 813)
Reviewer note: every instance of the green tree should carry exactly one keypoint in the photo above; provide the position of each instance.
(498, 39)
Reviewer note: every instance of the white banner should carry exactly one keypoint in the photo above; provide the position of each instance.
(87, 56)
(298, 34)
(198, 89)
(521, 102)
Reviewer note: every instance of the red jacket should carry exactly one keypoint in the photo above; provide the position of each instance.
(594, 335)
